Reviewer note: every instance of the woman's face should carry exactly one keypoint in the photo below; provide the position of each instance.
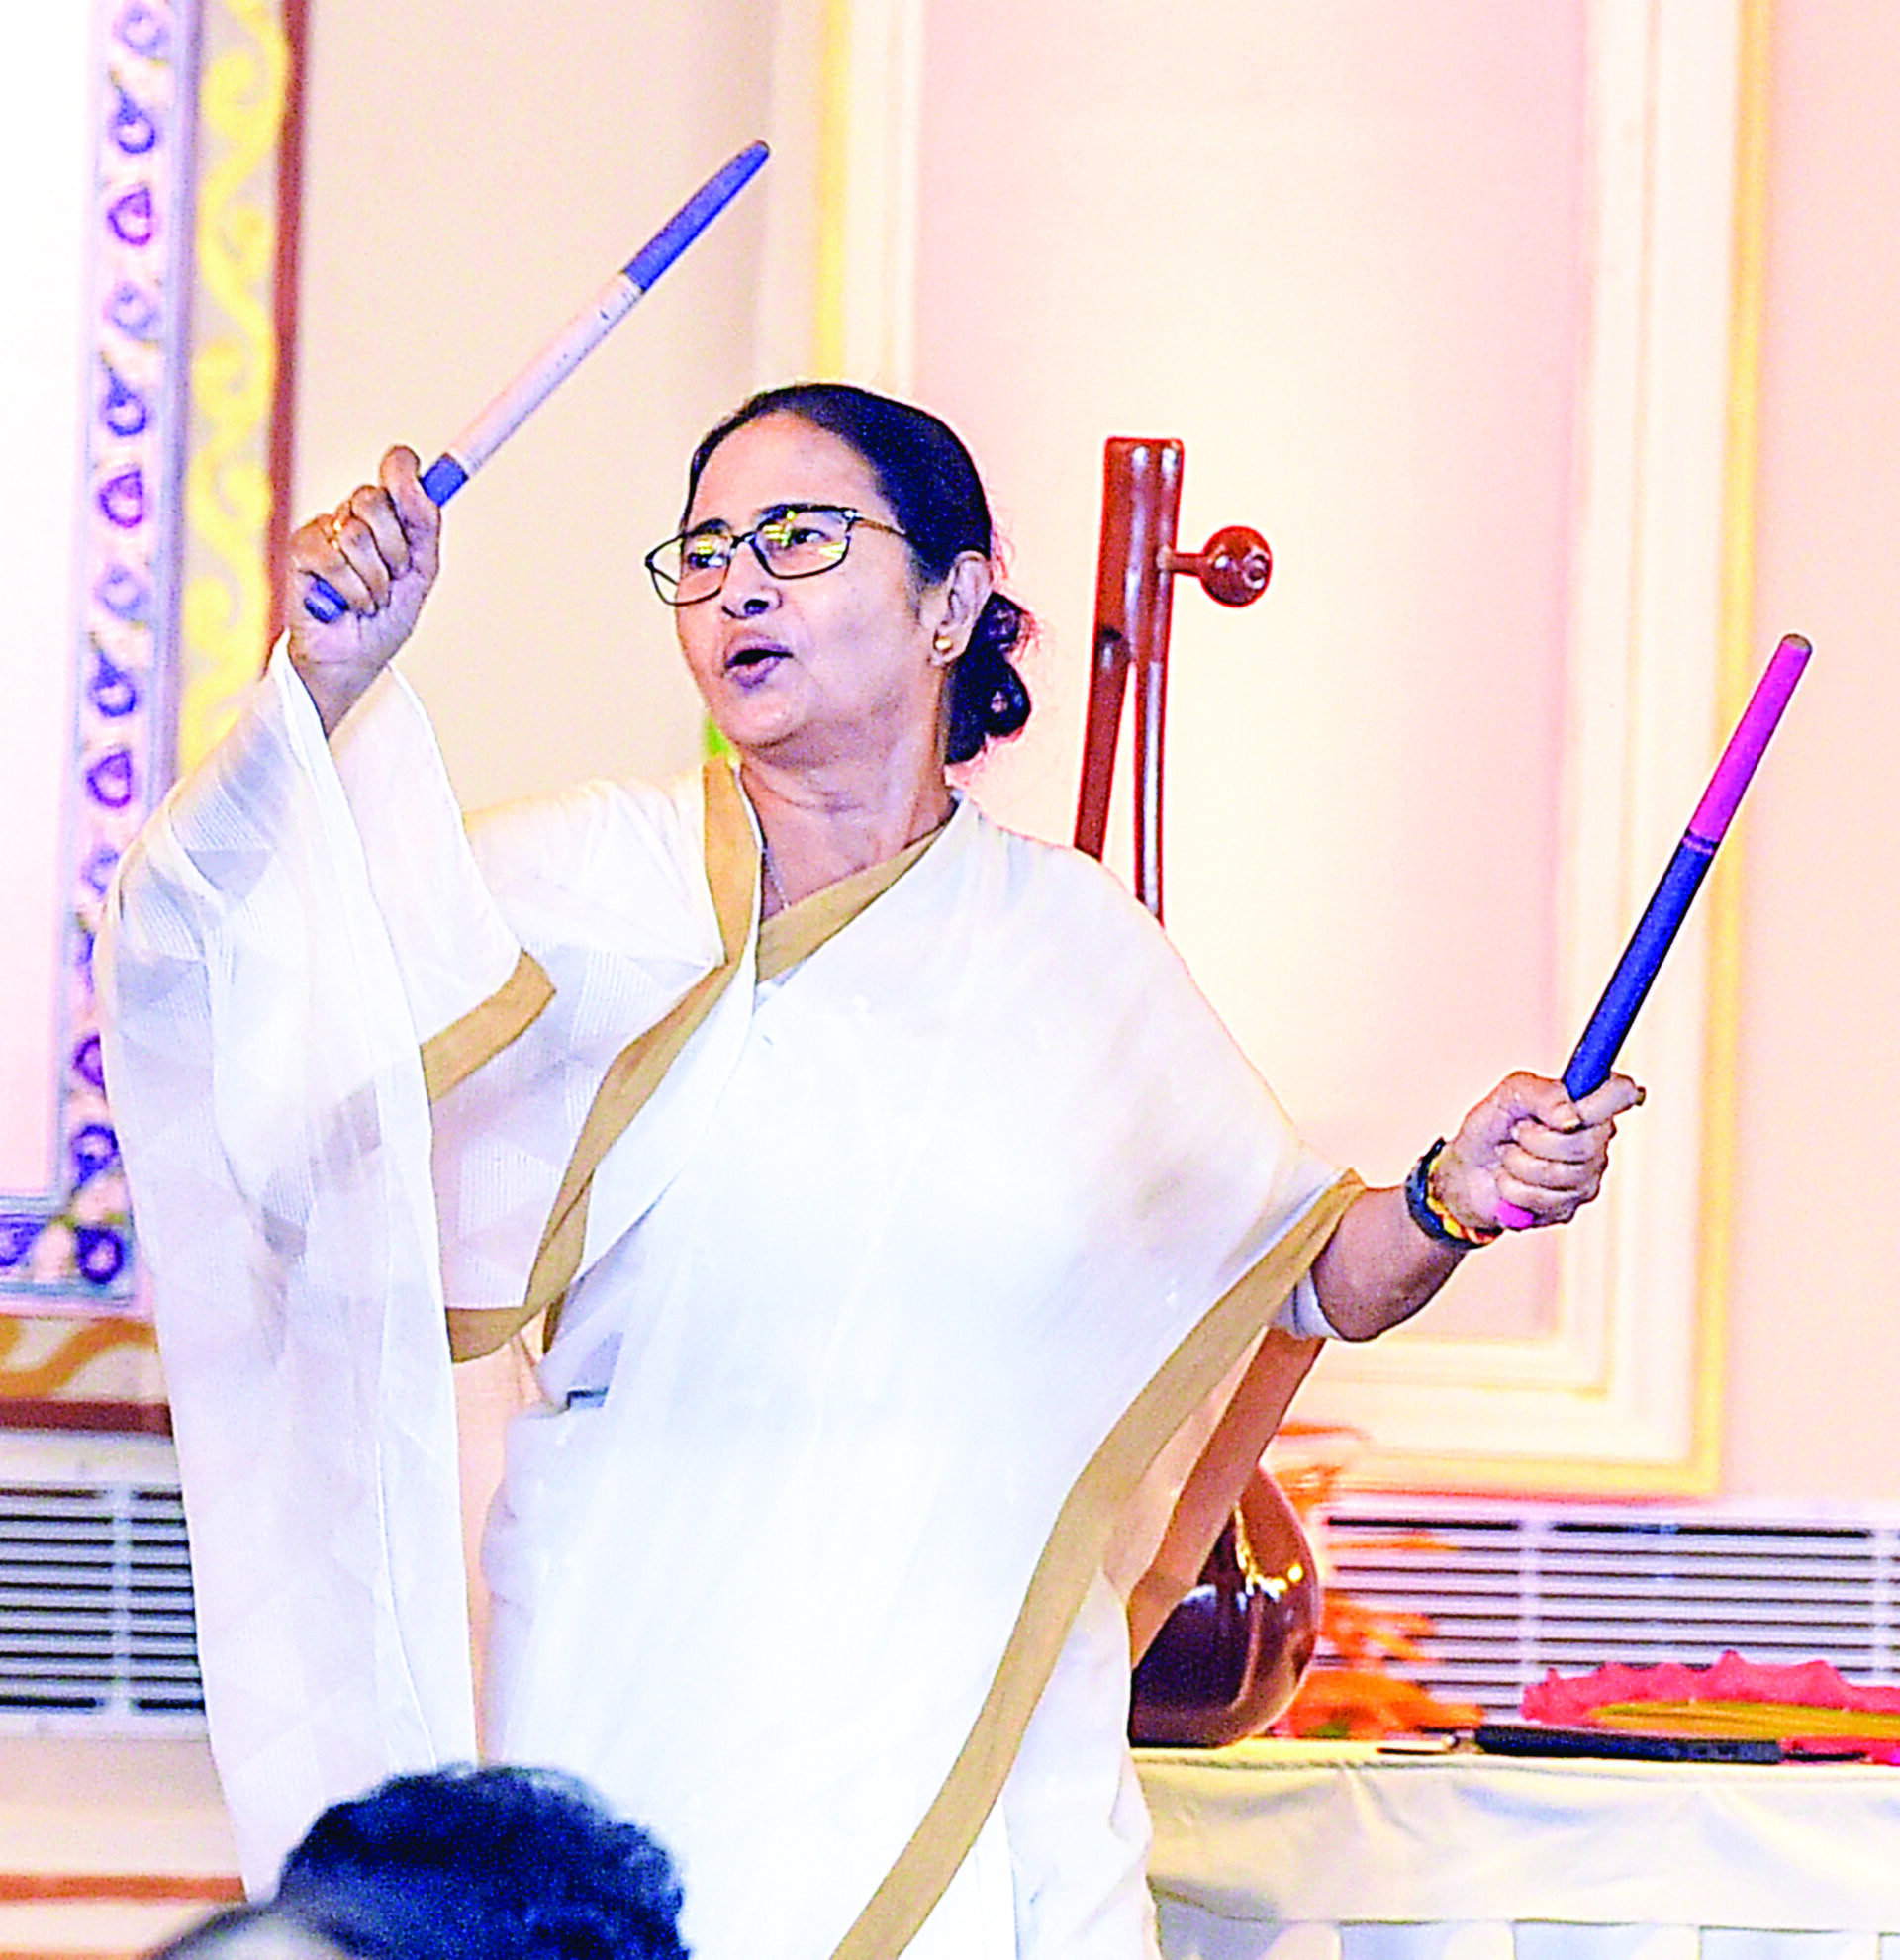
(812, 670)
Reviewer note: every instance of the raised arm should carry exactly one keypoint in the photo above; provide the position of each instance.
(379, 551)
(1527, 1143)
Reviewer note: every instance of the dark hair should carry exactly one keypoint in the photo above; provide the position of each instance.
(495, 1863)
(935, 495)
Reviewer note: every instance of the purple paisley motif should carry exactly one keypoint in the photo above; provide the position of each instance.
(133, 217)
(87, 1063)
(122, 498)
(132, 129)
(132, 311)
(99, 1253)
(141, 28)
(17, 1234)
(96, 873)
(122, 592)
(94, 1149)
(112, 691)
(109, 782)
(124, 410)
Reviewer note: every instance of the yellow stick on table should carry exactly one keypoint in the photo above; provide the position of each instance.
(1775, 1721)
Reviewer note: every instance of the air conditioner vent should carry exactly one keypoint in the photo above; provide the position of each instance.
(1513, 1590)
(96, 1627)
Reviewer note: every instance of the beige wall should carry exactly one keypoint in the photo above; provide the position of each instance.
(1811, 1340)
(466, 185)
(473, 175)
(1339, 253)
(98, 1809)
(1815, 1336)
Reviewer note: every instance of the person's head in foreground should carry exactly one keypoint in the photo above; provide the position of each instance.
(252, 1932)
(468, 1864)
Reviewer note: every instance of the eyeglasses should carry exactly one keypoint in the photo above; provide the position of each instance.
(792, 541)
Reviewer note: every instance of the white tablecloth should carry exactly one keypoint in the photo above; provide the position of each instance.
(1307, 1852)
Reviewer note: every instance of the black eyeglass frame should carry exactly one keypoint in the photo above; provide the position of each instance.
(666, 583)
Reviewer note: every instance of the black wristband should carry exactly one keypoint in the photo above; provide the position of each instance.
(1435, 1218)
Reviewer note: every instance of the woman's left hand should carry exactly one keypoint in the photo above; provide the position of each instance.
(1528, 1145)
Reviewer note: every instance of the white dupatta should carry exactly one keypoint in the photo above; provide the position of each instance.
(916, 1258)
(266, 1081)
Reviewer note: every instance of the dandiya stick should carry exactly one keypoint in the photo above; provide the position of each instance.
(1771, 1720)
(568, 348)
(1590, 1064)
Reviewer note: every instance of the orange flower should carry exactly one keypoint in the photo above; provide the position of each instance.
(1357, 1705)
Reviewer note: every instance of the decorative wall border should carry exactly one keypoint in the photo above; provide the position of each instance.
(191, 281)
(69, 1247)
(238, 461)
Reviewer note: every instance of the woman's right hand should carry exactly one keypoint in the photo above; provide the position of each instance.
(378, 550)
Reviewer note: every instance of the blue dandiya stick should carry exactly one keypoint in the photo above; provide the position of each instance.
(568, 348)
(1595, 1052)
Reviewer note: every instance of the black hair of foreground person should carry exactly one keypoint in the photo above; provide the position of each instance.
(930, 482)
(494, 1863)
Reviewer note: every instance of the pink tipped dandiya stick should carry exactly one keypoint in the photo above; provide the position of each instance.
(568, 348)
(1590, 1064)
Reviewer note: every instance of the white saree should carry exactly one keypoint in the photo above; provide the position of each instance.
(891, 1253)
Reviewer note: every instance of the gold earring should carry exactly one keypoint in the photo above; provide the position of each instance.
(945, 643)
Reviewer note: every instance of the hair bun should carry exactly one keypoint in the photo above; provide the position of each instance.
(989, 699)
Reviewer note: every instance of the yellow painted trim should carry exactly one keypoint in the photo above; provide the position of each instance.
(1739, 660)
(226, 601)
(834, 138)
(79, 1342)
(1517, 1476)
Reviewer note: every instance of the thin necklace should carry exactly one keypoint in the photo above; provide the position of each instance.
(772, 884)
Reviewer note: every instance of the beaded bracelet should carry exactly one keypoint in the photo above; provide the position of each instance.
(1433, 1216)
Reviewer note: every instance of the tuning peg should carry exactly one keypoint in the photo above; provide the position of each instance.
(1233, 567)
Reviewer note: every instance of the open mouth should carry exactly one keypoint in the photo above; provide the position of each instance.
(752, 659)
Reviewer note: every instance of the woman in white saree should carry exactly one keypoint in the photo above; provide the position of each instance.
(922, 1268)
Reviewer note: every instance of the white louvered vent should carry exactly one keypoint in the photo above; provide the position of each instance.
(1513, 1590)
(96, 1628)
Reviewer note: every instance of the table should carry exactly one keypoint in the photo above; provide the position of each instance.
(1337, 1851)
